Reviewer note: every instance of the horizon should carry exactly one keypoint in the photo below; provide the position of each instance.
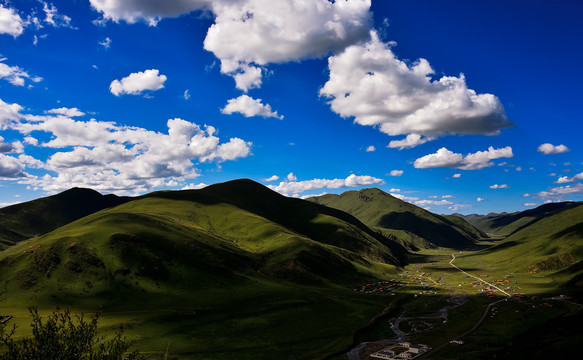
(456, 108)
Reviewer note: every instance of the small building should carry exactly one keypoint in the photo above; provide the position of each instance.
(384, 354)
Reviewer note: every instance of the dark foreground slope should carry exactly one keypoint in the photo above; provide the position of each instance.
(412, 225)
(233, 270)
(37, 217)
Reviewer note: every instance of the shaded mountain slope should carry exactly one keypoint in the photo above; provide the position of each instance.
(413, 225)
(22, 221)
(551, 244)
(505, 224)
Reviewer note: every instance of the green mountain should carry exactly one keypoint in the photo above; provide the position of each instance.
(37, 217)
(237, 261)
(551, 244)
(411, 225)
(505, 224)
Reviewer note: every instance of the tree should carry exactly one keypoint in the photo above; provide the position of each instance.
(61, 337)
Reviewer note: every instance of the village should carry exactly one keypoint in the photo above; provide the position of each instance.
(401, 351)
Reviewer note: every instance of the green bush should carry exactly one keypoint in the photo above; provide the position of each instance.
(61, 337)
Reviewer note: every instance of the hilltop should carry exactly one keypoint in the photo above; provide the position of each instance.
(37, 217)
(413, 226)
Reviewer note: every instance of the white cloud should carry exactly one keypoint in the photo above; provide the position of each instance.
(293, 187)
(455, 176)
(448, 197)
(444, 158)
(371, 148)
(250, 34)
(410, 199)
(10, 167)
(194, 186)
(249, 107)
(369, 83)
(151, 11)
(553, 174)
(271, 178)
(578, 176)
(530, 204)
(396, 173)
(70, 112)
(9, 147)
(559, 192)
(106, 43)
(53, 18)
(15, 75)
(186, 94)
(10, 22)
(410, 141)
(547, 149)
(9, 113)
(433, 202)
(291, 177)
(136, 83)
(479, 199)
(502, 186)
(392, 190)
(563, 180)
(123, 159)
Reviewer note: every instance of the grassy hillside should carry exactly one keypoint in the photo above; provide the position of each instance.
(551, 245)
(505, 224)
(231, 270)
(22, 221)
(406, 222)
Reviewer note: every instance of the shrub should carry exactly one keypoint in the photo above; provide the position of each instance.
(60, 337)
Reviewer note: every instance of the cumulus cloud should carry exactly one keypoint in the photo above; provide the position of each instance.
(396, 173)
(371, 148)
(271, 178)
(70, 112)
(560, 192)
(368, 82)
(530, 204)
(410, 141)
(10, 22)
(15, 75)
(137, 83)
(433, 202)
(455, 176)
(445, 158)
(150, 11)
(410, 199)
(10, 167)
(502, 186)
(250, 34)
(563, 180)
(293, 187)
(548, 149)
(194, 186)
(9, 113)
(291, 177)
(109, 157)
(479, 199)
(249, 107)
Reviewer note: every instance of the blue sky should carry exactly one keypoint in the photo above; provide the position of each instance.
(455, 106)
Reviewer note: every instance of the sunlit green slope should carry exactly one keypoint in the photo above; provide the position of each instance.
(412, 225)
